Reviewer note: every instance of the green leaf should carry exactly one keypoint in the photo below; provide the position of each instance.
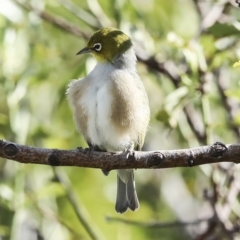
(163, 116)
(220, 30)
(52, 189)
(236, 64)
(4, 230)
(237, 119)
(234, 93)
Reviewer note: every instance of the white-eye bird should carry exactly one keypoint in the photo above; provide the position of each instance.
(110, 105)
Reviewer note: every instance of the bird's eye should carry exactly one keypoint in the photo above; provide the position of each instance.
(97, 46)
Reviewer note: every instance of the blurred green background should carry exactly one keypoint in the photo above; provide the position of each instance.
(194, 97)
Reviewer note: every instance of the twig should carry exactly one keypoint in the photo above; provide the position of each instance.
(231, 108)
(168, 69)
(212, 197)
(197, 7)
(81, 215)
(195, 122)
(81, 14)
(98, 12)
(48, 213)
(55, 20)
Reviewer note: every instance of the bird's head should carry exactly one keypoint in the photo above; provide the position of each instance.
(106, 44)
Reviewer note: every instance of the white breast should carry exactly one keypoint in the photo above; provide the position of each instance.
(97, 103)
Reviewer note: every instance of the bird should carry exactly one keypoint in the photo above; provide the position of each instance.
(110, 105)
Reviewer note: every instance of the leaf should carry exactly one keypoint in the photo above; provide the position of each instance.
(4, 230)
(220, 30)
(236, 64)
(234, 93)
(163, 116)
(175, 97)
(52, 189)
(237, 119)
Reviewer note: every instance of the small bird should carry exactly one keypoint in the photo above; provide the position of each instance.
(111, 106)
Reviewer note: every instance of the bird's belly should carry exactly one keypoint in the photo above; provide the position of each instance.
(101, 131)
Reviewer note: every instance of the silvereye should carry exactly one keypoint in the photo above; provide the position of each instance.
(110, 105)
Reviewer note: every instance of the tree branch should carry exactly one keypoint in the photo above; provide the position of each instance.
(217, 152)
(55, 20)
(231, 107)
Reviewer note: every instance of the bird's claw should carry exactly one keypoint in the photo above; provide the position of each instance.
(89, 151)
(128, 154)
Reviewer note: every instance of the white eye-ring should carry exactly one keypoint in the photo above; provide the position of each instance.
(97, 46)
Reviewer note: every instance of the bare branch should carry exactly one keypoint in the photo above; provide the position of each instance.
(197, 7)
(195, 122)
(55, 20)
(168, 69)
(49, 214)
(217, 152)
(98, 13)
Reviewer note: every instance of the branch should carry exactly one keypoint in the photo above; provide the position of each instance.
(195, 122)
(50, 215)
(55, 20)
(230, 106)
(168, 69)
(80, 157)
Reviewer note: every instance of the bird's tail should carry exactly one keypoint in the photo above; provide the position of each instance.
(126, 191)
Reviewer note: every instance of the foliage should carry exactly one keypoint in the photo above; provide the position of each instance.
(186, 50)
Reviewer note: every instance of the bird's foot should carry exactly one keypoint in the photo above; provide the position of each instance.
(89, 151)
(129, 154)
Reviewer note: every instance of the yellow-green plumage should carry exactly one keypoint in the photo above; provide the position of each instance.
(114, 42)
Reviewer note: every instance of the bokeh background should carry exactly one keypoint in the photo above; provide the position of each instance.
(186, 51)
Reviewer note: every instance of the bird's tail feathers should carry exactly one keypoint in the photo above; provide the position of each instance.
(126, 192)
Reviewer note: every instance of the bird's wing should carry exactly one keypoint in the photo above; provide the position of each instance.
(130, 107)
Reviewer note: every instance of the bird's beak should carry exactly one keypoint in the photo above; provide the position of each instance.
(84, 50)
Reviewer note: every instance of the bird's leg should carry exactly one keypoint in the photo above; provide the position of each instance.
(96, 148)
(93, 148)
(89, 151)
(129, 153)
